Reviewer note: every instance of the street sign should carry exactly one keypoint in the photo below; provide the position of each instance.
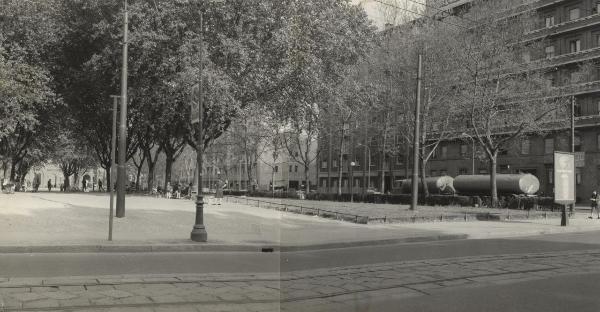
(194, 106)
(564, 182)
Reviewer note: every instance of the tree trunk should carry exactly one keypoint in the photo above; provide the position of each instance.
(13, 170)
(151, 167)
(67, 183)
(339, 190)
(494, 189)
(273, 182)
(306, 177)
(107, 182)
(76, 179)
(406, 163)
(137, 178)
(168, 167)
(330, 160)
(423, 176)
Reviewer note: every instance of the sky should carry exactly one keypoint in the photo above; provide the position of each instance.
(374, 9)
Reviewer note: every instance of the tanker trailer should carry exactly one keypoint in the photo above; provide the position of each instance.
(505, 183)
(435, 185)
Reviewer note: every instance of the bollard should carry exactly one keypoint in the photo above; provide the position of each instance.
(285, 208)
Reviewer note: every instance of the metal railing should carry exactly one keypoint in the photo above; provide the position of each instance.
(311, 211)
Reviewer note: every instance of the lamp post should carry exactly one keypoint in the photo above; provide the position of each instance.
(472, 152)
(199, 231)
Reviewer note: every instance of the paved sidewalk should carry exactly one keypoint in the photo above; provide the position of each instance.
(56, 222)
(340, 289)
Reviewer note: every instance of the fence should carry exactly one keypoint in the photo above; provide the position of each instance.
(311, 211)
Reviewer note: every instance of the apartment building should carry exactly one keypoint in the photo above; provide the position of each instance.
(569, 32)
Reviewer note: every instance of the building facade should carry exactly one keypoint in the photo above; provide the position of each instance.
(569, 32)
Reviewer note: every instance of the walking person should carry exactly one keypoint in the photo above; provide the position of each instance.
(169, 190)
(219, 192)
(84, 185)
(49, 185)
(100, 188)
(595, 198)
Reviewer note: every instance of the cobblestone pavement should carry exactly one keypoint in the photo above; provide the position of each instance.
(345, 288)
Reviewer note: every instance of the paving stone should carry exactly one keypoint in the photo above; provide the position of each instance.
(75, 302)
(59, 295)
(14, 290)
(135, 300)
(45, 303)
(116, 293)
(166, 299)
(99, 287)
(71, 288)
(28, 296)
(43, 289)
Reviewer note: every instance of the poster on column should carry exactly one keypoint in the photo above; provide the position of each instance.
(564, 178)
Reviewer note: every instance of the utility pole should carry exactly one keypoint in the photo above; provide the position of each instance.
(121, 174)
(415, 175)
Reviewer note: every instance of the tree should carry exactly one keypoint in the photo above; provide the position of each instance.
(73, 157)
(495, 88)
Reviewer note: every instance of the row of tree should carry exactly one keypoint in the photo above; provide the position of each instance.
(60, 62)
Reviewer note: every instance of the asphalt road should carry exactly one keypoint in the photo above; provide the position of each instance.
(77, 264)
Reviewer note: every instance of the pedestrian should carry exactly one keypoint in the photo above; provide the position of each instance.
(84, 184)
(594, 200)
(49, 185)
(219, 193)
(169, 190)
(100, 188)
(176, 191)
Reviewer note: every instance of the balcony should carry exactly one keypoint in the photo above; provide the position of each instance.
(587, 21)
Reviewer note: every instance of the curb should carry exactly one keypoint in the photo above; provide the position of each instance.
(217, 248)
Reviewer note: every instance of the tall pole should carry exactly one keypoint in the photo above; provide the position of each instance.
(123, 124)
(199, 231)
(415, 175)
(113, 147)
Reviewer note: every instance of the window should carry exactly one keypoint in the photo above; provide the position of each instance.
(276, 168)
(578, 176)
(443, 172)
(323, 182)
(464, 150)
(357, 182)
(324, 164)
(577, 143)
(597, 7)
(574, 14)
(290, 168)
(295, 168)
(574, 45)
(345, 182)
(549, 51)
(334, 164)
(549, 21)
(550, 172)
(548, 145)
(462, 171)
(444, 151)
(525, 147)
